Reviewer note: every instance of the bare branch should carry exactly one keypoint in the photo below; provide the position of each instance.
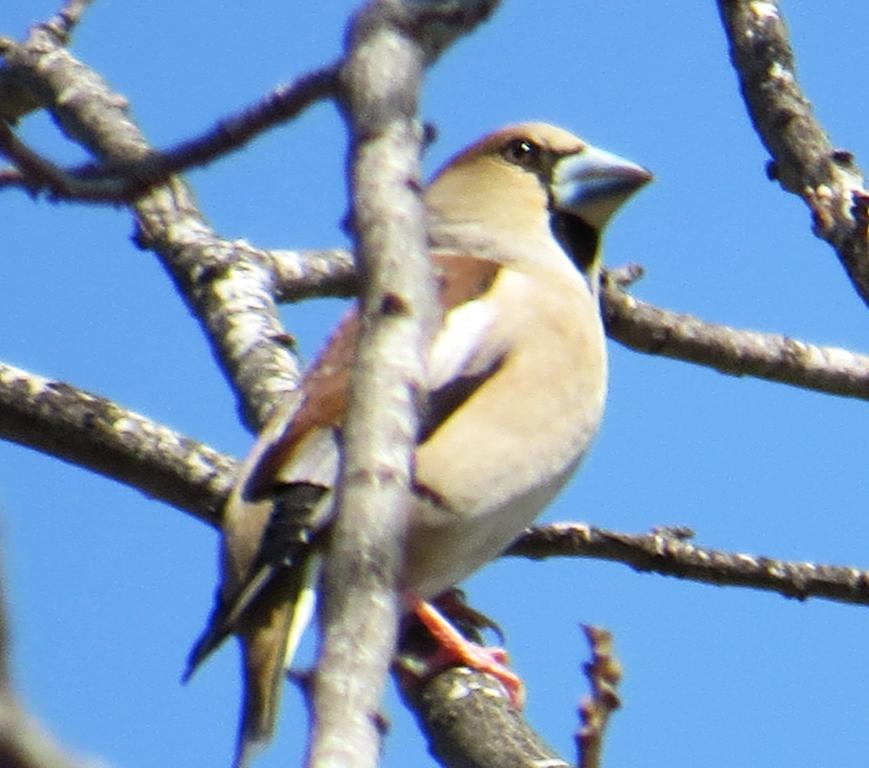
(773, 357)
(301, 275)
(389, 44)
(469, 723)
(804, 160)
(67, 19)
(124, 182)
(25, 744)
(226, 285)
(361, 607)
(16, 100)
(603, 672)
(97, 434)
(31, 171)
(668, 552)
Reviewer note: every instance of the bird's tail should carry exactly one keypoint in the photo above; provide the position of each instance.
(270, 636)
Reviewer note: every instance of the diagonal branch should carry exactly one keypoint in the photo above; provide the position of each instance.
(122, 182)
(97, 434)
(804, 160)
(16, 100)
(471, 724)
(226, 285)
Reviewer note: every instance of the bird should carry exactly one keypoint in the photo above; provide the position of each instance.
(515, 385)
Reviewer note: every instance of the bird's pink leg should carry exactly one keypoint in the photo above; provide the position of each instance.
(455, 648)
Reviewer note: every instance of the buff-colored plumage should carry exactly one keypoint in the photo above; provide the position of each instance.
(517, 382)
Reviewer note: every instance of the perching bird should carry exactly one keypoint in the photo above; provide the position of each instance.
(516, 382)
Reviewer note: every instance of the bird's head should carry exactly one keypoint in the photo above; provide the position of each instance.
(530, 181)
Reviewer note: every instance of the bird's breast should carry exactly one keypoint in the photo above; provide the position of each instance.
(500, 459)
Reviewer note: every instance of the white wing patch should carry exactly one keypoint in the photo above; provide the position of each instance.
(459, 342)
(305, 605)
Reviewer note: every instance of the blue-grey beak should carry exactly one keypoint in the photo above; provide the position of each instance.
(593, 184)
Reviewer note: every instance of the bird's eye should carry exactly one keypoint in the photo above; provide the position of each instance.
(521, 152)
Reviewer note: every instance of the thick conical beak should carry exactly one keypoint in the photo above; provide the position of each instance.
(592, 184)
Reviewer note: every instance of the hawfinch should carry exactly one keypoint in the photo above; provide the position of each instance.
(516, 383)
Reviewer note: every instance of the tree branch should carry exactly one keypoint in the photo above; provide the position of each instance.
(380, 78)
(97, 434)
(16, 100)
(226, 285)
(298, 275)
(388, 46)
(669, 553)
(604, 672)
(804, 160)
(25, 744)
(646, 328)
(471, 724)
(122, 182)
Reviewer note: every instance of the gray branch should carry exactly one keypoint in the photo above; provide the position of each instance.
(671, 553)
(123, 182)
(380, 79)
(804, 160)
(97, 434)
(226, 285)
(646, 328)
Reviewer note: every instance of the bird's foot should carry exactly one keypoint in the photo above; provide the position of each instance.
(453, 649)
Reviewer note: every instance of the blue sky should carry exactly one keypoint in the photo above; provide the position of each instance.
(108, 589)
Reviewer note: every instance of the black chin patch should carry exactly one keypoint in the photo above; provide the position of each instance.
(579, 239)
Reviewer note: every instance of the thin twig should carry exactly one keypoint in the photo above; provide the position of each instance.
(122, 182)
(67, 19)
(669, 552)
(646, 328)
(604, 673)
